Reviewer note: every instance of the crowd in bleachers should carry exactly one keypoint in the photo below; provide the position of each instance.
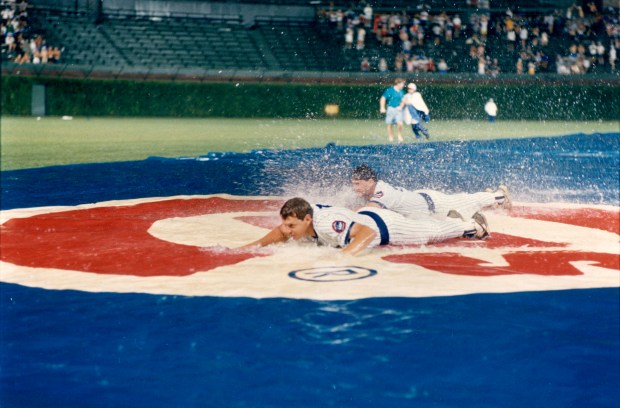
(470, 37)
(570, 41)
(20, 42)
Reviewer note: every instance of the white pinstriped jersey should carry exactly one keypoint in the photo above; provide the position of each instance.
(332, 226)
(409, 231)
(405, 202)
(419, 203)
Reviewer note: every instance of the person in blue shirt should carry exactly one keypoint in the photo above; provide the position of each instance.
(390, 105)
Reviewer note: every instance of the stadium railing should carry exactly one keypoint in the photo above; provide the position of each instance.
(196, 74)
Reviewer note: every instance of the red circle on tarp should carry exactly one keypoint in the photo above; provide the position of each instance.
(115, 239)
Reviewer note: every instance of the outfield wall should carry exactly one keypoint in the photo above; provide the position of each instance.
(516, 100)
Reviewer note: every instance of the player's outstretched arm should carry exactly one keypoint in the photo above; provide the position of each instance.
(361, 236)
(273, 237)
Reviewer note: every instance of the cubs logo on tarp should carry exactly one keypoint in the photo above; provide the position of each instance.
(333, 274)
(190, 245)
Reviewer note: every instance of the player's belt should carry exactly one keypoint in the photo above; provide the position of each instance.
(383, 230)
(429, 202)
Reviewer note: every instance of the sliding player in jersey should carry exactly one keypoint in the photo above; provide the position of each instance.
(420, 203)
(368, 227)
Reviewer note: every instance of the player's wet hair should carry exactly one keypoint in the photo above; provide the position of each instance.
(296, 207)
(364, 172)
(399, 81)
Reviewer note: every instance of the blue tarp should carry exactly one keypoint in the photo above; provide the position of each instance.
(538, 349)
(576, 168)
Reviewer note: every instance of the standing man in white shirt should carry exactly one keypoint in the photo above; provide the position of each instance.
(415, 111)
(491, 109)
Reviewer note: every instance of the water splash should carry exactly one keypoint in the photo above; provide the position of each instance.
(577, 168)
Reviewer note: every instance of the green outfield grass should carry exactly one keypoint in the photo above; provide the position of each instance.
(30, 142)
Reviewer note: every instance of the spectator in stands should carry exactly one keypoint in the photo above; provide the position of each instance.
(592, 51)
(413, 32)
(613, 55)
(574, 11)
(365, 65)
(398, 62)
(340, 20)
(600, 53)
(23, 8)
(368, 15)
(449, 32)
(407, 46)
(484, 26)
(519, 66)
(474, 23)
(481, 66)
(549, 22)
(383, 66)
(426, 31)
(561, 65)
(10, 43)
(361, 37)
(542, 60)
(437, 31)
(22, 50)
(523, 36)
(420, 34)
(409, 62)
(442, 67)
(430, 65)
(493, 68)
(7, 12)
(456, 22)
(511, 38)
(333, 19)
(44, 54)
(348, 38)
(584, 64)
(54, 54)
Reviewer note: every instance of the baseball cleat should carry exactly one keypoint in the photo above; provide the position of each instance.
(507, 203)
(482, 227)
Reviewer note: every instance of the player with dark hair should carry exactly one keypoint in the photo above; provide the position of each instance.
(368, 227)
(420, 203)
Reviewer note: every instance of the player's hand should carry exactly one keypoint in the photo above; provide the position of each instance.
(383, 110)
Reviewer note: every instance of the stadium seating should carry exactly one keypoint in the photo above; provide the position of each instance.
(227, 43)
